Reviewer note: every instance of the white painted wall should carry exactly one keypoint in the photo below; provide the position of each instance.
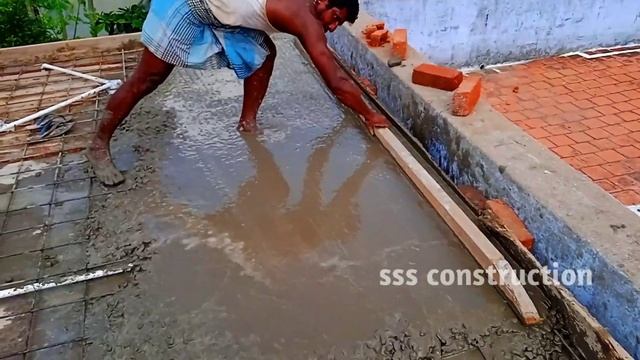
(473, 32)
(110, 5)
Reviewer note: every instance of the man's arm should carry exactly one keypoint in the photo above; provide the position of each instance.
(314, 42)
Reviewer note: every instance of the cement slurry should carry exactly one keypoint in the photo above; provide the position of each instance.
(270, 245)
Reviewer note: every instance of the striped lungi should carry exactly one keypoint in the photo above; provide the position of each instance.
(185, 33)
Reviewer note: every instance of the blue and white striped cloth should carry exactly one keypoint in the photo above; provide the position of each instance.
(185, 33)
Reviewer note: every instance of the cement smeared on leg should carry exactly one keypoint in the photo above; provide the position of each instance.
(104, 168)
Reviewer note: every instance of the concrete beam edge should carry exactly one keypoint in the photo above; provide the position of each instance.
(576, 223)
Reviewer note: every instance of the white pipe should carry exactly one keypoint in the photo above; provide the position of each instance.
(107, 86)
(601, 55)
(75, 73)
(65, 281)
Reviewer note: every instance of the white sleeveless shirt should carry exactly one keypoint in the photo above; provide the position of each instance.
(251, 14)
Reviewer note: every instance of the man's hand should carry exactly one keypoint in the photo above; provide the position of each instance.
(375, 120)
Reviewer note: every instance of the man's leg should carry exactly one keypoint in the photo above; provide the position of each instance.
(255, 87)
(149, 74)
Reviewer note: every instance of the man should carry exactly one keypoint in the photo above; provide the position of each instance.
(209, 34)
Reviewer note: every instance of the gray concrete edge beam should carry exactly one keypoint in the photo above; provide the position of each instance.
(576, 224)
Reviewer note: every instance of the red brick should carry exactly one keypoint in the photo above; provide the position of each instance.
(596, 172)
(629, 152)
(607, 80)
(632, 126)
(529, 104)
(601, 100)
(631, 94)
(561, 140)
(633, 164)
(628, 197)
(575, 127)
(593, 123)
(606, 110)
(553, 74)
(548, 144)
(589, 113)
(587, 160)
(598, 133)
(438, 77)
(540, 85)
(622, 78)
(466, 96)
(584, 104)
(626, 182)
(616, 130)
(624, 106)
(564, 99)
(573, 117)
(624, 140)
(515, 116)
(371, 28)
(607, 185)
(378, 38)
(628, 116)
(617, 98)
(368, 30)
(575, 86)
(580, 137)
(568, 107)
(585, 148)
(557, 130)
(596, 92)
(604, 144)
(611, 119)
(554, 119)
(508, 218)
(618, 168)
(565, 151)
(550, 110)
(534, 123)
(610, 156)
(635, 75)
(474, 196)
(568, 72)
(399, 44)
(538, 133)
(635, 136)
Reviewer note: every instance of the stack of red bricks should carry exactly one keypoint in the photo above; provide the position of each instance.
(466, 89)
(376, 36)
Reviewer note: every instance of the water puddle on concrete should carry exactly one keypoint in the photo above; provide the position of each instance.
(270, 245)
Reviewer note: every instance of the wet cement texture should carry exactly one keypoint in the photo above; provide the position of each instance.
(269, 246)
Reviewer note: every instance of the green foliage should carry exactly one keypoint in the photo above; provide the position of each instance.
(124, 20)
(21, 24)
(96, 26)
(24, 22)
(54, 13)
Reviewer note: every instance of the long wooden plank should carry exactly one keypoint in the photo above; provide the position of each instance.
(473, 239)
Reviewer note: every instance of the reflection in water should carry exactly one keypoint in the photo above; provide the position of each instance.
(261, 211)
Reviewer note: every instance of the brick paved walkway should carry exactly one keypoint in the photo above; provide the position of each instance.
(585, 111)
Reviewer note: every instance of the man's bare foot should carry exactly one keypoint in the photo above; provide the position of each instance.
(100, 158)
(247, 126)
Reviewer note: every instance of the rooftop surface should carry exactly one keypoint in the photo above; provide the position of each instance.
(587, 111)
(267, 245)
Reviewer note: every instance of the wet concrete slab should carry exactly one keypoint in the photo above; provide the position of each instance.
(270, 245)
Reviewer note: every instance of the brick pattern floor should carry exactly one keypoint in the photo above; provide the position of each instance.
(586, 111)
